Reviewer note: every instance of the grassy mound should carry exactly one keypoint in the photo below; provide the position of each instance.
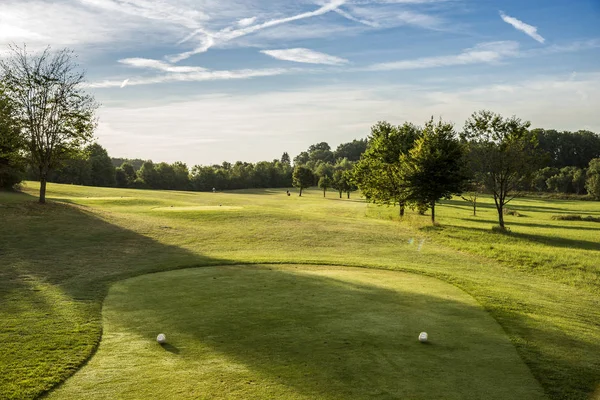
(298, 333)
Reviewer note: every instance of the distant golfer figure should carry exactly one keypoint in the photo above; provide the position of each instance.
(288, 192)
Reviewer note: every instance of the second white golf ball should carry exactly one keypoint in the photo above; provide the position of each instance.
(161, 338)
(423, 337)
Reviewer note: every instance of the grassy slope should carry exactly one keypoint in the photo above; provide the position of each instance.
(282, 332)
(58, 260)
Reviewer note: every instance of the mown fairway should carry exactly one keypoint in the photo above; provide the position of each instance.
(541, 283)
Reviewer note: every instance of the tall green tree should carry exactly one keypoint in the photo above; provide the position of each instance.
(102, 169)
(377, 173)
(592, 184)
(55, 113)
(302, 177)
(12, 166)
(435, 167)
(325, 183)
(351, 150)
(504, 150)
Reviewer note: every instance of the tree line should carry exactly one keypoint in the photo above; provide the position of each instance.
(47, 122)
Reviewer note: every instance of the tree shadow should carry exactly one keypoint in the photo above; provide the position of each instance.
(57, 263)
(551, 241)
(330, 338)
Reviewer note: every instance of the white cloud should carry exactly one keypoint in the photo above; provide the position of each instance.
(208, 126)
(159, 65)
(482, 53)
(308, 56)
(523, 27)
(246, 21)
(198, 76)
(208, 40)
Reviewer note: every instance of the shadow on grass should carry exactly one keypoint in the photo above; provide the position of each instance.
(529, 237)
(170, 348)
(57, 263)
(327, 338)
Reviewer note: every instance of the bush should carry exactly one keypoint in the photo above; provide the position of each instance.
(510, 211)
(571, 217)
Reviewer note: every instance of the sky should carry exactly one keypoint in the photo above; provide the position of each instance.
(206, 81)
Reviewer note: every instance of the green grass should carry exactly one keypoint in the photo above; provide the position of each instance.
(540, 282)
(289, 332)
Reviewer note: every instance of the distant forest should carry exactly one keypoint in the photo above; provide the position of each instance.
(564, 157)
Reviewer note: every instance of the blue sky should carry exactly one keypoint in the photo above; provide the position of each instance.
(203, 81)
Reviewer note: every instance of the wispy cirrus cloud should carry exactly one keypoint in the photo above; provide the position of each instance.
(482, 53)
(523, 27)
(197, 76)
(209, 39)
(307, 56)
(159, 65)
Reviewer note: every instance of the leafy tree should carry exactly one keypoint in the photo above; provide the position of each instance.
(434, 168)
(325, 183)
(148, 175)
(285, 159)
(565, 149)
(567, 180)
(76, 170)
(129, 171)
(505, 153)
(377, 173)
(121, 178)
(102, 170)
(302, 177)
(538, 181)
(12, 166)
(181, 176)
(53, 110)
(592, 184)
(351, 150)
(302, 158)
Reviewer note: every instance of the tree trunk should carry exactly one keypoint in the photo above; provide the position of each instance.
(300, 192)
(341, 194)
(501, 216)
(402, 205)
(42, 190)
(433, 212)
(348, 194)
(324, 192)
(475, 207)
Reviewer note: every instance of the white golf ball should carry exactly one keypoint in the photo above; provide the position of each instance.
(423, 337)
(161, 338)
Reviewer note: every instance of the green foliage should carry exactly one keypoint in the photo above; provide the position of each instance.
(302, 177)
(503, 152)
(54, 112)
(592, 184)
(377, 173)
(241, 175)
(567, 180)
(102, 170)
(12, 163)
(568, 149)
(541, 176)
(351, 150)
(324, 183)
(434, 168)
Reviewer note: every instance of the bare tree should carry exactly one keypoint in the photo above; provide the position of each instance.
(57, 117)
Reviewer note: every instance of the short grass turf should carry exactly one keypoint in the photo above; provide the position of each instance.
(298, 332)
(57, 262)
